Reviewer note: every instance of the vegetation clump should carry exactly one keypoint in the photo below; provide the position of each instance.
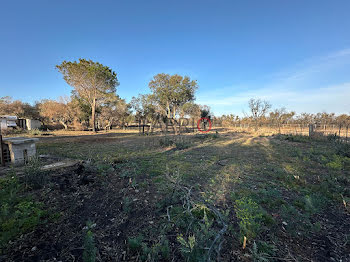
(249, 216)
(18, 214)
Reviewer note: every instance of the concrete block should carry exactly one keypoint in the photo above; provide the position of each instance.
(21, 149)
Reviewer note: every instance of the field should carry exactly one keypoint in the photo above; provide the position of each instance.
(199, 197)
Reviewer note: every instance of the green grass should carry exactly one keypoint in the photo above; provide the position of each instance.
(18, 213)
(262, 184)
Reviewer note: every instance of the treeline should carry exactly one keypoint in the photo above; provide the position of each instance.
(70, 113)
(94, 104)
(280, 117)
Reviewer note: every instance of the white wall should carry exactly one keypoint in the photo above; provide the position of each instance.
(33, 124)
(3, 123)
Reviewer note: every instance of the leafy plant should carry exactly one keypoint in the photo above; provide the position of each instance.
(257, 255)
(158, 251)
(135, 244)
(336, 164)
(249, 215)
(187, 246)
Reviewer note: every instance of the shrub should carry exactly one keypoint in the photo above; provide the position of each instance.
(297, 138)
(166, 141)
(332, 137)
(159, 251)
(181, 145)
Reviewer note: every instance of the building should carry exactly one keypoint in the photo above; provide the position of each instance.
(29, 124)
(8, 122)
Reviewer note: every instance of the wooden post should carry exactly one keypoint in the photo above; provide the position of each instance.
(2, 150)
(311, 129)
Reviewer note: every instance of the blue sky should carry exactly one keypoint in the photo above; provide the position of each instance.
(293, 53)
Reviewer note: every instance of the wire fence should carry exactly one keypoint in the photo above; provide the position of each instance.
(305, 129)
(340, 131)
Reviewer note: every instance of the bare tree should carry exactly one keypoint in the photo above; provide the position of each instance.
(280, 116)
(258, 109)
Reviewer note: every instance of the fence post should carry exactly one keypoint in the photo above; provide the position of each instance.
(311, 129)
(2, 150)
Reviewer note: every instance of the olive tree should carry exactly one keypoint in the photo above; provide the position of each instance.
(171, 92)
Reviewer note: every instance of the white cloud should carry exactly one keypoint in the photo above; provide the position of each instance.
(317, 84)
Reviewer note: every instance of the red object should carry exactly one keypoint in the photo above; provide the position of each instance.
(200, 120)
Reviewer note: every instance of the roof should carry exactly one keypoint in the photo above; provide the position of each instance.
(9, 117)
(19, 140)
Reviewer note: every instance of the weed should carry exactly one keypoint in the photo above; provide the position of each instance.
(17, 214)
(297, 138)
(187, 246)
(257, 255)
(249, 215)
(89, 253)
(35, 132)
(298, 222)
(343, 149)
(155, 252)
(34, 177)
(127, 204)
(333, 137)
(135, 244)
(181, 145)
(166, 141)
(270, 197)
(104, 168)
(336, 164)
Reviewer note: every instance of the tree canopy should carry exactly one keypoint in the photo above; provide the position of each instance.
(172, 91)
(92, 81)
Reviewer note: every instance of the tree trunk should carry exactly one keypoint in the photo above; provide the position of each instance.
(64, 124)
(93, 113)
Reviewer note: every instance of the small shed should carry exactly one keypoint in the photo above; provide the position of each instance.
(8, 121)
(28, 124)
(19, 149)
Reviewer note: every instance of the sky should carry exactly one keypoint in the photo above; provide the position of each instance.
(295, 54)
